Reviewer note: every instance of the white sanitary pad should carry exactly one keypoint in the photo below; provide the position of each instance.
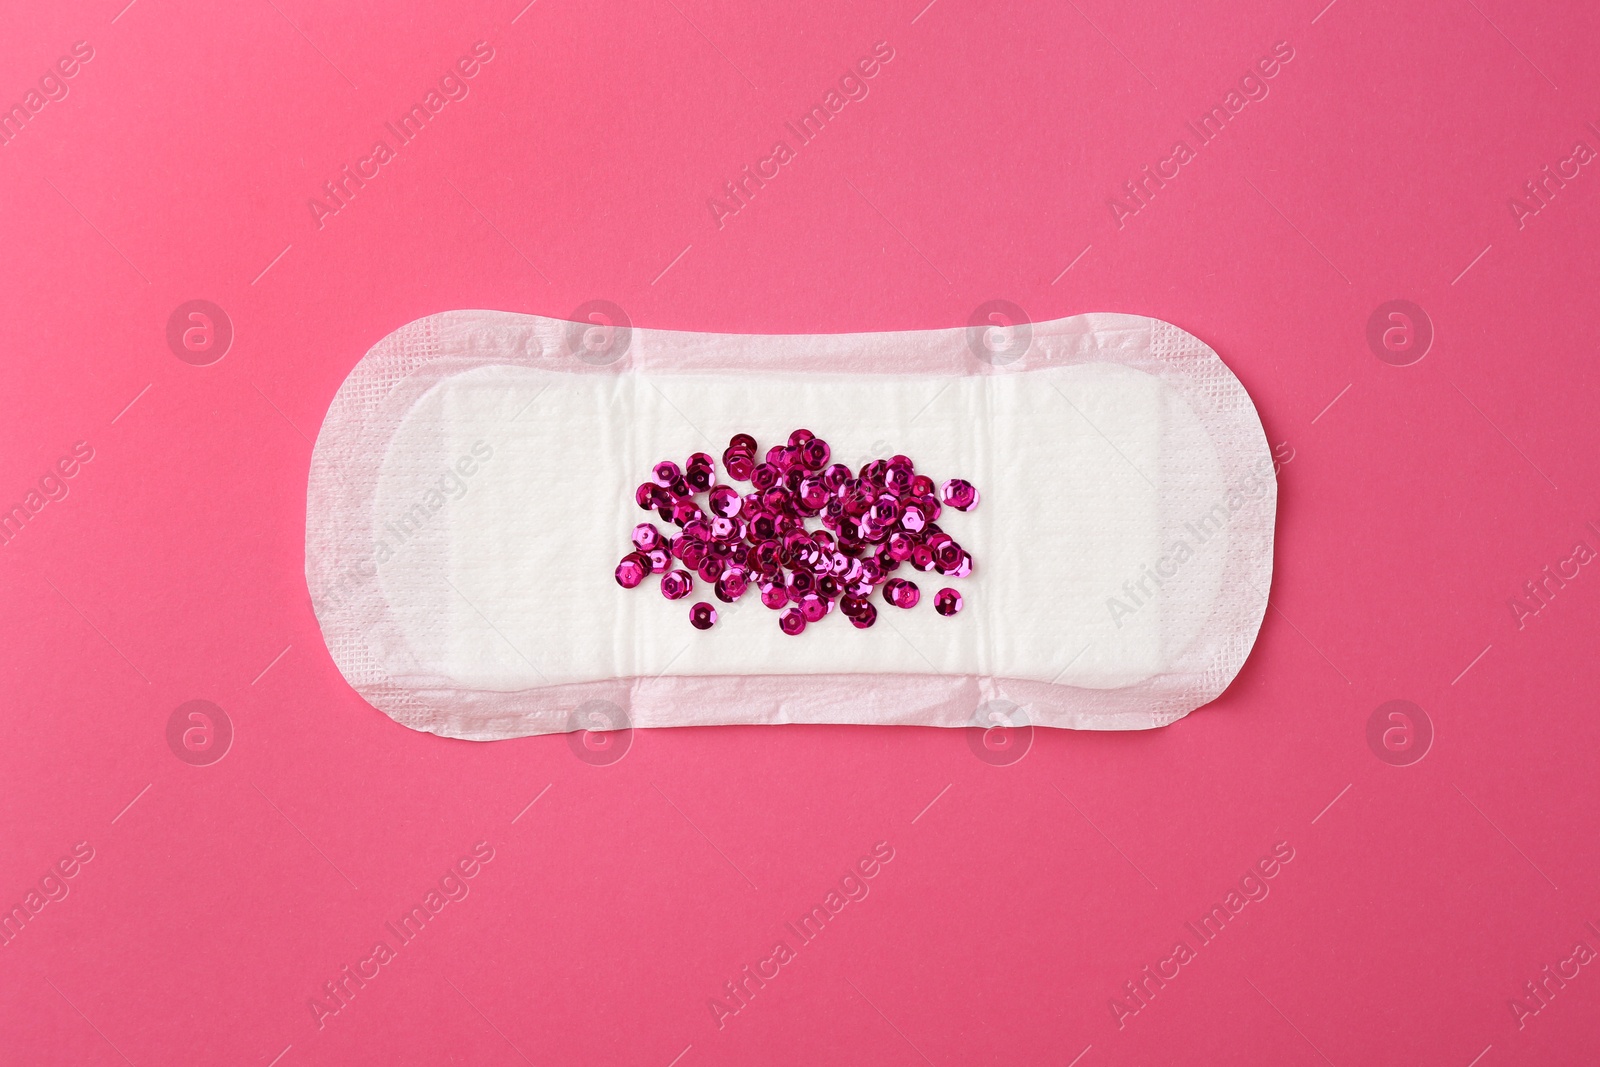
(472, 490)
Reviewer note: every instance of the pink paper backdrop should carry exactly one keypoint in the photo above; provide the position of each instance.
(1381, 160)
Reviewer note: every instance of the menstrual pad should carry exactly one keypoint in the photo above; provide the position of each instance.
(472, 489)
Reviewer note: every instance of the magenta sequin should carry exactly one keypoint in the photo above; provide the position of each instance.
(811, 607)
(675, 585)
(901, 593)
(959, 494)
(700, 473)
(632, 569)
(731, 585)
(666, 472)
(809, 534)
(725, 501)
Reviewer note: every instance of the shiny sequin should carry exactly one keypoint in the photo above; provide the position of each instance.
(676, 584)
(683, 511)
(959, 494)
(702, 616)
(725, 501)
(667, 472)
(792, 622)
(765, 475)
(815, 453)
(811, 607)
(700, 472)
(947, 602)
(732, 585)
(632, 569)
(901, 593)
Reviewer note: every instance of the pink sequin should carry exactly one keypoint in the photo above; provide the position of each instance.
(700, 472)
(725, 501)
(731, 585)
(811, 607)
(959, 494)
(947, 602)
(901, 593)
(632, 569)
(702, 616)
(667, 472)
(676, 584)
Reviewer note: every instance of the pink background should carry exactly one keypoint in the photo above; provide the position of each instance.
(220, 898)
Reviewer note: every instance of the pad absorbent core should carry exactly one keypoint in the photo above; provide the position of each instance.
(472, 489)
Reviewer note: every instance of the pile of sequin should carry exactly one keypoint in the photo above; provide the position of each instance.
(871, 523)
